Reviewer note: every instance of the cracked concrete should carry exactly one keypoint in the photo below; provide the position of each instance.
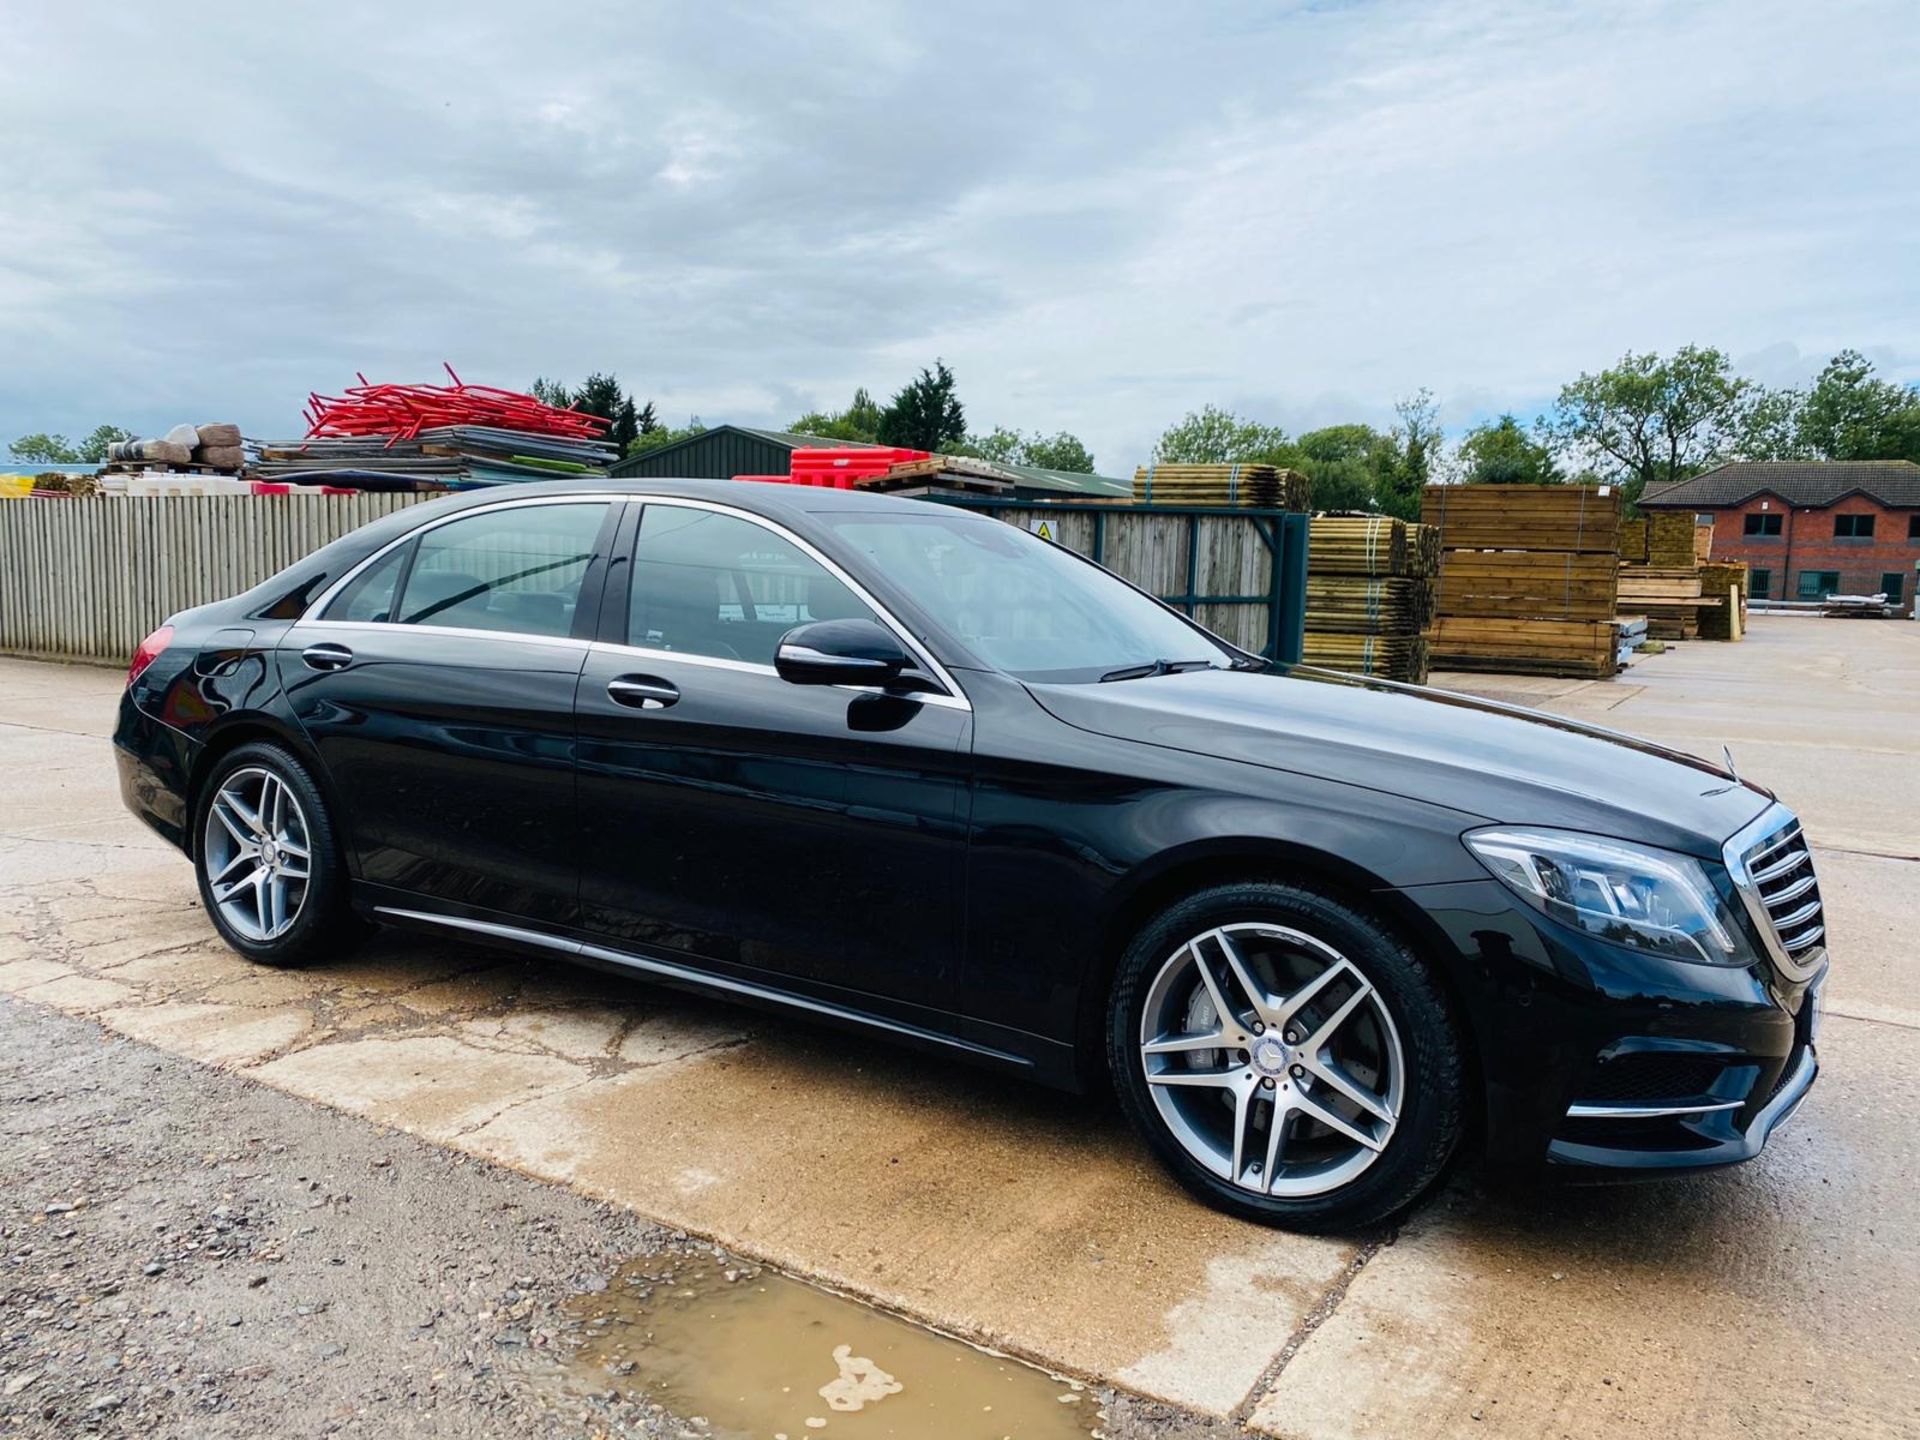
(1033, 1221)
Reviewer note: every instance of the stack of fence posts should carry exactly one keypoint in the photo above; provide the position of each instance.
(89, 578)
(1370, 589)
(1529, 578)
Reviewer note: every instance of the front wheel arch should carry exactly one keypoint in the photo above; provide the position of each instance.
(1171, 878)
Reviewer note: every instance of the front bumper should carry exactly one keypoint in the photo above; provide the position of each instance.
(1597, 1059)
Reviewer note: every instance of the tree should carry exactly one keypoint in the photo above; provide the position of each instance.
(926, 413)
(93, 449)
(1851, 415)
(599, 395)
(551, 392)
(42, 449)
(860, 421)
(625, 428)
(1501, 452)
(1350, 465)
(1212, 436)
(1417, 442)
(661, 436)
(1647, 420)
(1060, 451)
(1767, 426)
(646, 422)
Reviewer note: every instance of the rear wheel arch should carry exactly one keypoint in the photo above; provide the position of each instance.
(247, 729)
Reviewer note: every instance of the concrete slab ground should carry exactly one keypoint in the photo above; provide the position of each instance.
(1781, 1299)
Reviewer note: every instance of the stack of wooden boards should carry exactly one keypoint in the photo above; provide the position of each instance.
(1528, 578)
(1265, 487)
(1667, 577)
(1370, 595)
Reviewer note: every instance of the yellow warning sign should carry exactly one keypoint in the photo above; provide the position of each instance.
(1041, 526)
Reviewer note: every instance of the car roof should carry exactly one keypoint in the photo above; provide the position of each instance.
(773, 500)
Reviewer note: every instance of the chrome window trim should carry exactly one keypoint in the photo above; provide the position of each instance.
(1735, 857)
(955, 698)
(312, 613)
(702, 979)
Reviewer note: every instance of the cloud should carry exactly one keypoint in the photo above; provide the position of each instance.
(1101, 216)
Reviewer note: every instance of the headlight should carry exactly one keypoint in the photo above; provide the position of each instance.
(1633, 895)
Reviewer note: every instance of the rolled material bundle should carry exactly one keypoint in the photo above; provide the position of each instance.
(150, 452)
(217, 436)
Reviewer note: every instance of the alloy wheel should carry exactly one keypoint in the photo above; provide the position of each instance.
(1272, 1059)
(258, 854)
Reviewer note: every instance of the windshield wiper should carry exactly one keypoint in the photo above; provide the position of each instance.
(1155, 667)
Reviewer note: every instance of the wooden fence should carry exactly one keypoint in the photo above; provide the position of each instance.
(87, 579)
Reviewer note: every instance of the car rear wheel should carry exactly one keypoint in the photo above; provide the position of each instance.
(1287, 1056)
(269, 866)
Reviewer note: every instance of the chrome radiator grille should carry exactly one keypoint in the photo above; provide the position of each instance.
(1779, 878)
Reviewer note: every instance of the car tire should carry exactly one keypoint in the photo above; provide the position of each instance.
(1337, 1165)
(257, 811)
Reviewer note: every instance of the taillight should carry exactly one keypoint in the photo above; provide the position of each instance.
(149, 651)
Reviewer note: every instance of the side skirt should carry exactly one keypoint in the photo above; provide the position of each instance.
(704, 982)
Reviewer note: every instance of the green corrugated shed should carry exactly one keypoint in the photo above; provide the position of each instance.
(722, 453)
(729, 450)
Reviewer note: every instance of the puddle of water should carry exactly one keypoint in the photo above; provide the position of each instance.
(763, 1356)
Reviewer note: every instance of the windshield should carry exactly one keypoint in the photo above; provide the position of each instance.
(1021, 604)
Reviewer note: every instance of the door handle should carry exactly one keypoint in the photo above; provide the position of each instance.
(327, 657)
(643, 692)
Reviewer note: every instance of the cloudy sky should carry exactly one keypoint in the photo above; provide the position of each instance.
(1100, 215)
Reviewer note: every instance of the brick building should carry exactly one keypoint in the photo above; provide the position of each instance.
(1809, 529)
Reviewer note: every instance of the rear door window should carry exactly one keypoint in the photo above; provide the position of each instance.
(519, 570)
(368, 597)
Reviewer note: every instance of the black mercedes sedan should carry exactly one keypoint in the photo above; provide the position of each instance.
(892, 765)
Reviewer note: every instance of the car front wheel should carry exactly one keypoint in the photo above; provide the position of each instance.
(269, 866)
(1287, 1056)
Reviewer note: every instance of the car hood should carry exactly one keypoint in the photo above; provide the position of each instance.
(1480, 758)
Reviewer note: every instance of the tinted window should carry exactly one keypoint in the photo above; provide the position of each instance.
(1893, 585)
(369, 595)
(1854, 526)
(1763, 524)
(1760, 583)
(711, 584)
(518, 569)
(1818, 584)
(1023, 605)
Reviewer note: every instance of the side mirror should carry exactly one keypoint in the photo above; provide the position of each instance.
(840, 652)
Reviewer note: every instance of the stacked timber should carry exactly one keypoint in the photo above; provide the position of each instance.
(1670, 540)
(1667, 581)
(1265, 487)
(1725, 581)
(1633, 541)
(1528, 579)
(1669, 596)
(1370, 585)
